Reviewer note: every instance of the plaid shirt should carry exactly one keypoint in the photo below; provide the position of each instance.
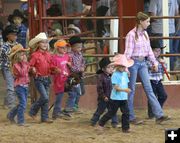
(21, 37)
(78, 61)
(156, 75)
(140, 47)
(5, 50)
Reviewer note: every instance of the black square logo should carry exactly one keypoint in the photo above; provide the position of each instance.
(172, 135)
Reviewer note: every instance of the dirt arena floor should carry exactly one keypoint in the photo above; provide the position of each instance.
(78, 129)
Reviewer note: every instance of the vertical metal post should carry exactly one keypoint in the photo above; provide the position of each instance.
(120, 14)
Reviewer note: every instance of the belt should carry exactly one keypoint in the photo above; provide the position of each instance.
(42, 77)
(138, 58)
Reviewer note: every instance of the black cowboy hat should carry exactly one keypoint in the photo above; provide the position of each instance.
(9, 29)
(75, 39)
(156, 44)
(103, 63)
(16, 13)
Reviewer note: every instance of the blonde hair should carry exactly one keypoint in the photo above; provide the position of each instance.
(141, 16)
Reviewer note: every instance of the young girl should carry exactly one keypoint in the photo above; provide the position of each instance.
(137, 47)
(20, 69)
(61, 60)
(119, 94)
(40, 63)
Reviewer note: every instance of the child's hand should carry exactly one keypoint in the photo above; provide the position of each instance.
(128, 90)
(106, 99)
(33, 70)
(57, 70)
(161, 60)
(154, 68)
(68, 64)
(82, 69)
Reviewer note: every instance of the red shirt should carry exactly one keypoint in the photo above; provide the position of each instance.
(41, 60)
(20, 72)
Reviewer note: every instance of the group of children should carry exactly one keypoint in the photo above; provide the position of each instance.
(42, 66)
(112, 88)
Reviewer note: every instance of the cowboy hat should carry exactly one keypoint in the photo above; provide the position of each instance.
(40, 37)
(60, 43)
(103, 63)
(121, 60)
(15, 49)
(156, 44)
(16, 13)
(73, 27)
(75, 39)
(9, 29)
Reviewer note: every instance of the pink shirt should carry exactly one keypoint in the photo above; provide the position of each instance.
(42, 62)
(140, 47)
(20, 72)
(60, 78)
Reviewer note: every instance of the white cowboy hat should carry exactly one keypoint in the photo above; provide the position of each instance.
(40, 37)
(75, 28)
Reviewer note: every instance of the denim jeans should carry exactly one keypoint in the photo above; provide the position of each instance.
(172, 48)
(102, 105)
(19, 110)
(114, 106)
(42, 84)
(57, 104)
(141, 69)
(160, 93)
(10, 98)
(74, 95)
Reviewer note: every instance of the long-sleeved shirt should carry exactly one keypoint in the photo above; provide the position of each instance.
(20, 72)
(140, 47)
(104, 86)
(78, 61)
(42, 62)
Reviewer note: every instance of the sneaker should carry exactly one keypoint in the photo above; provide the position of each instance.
(126, 130)
(48, 121)
(136, 122)
(23, 124)
(114, 125)
(162, 119)
(10, 118)
(32, 116)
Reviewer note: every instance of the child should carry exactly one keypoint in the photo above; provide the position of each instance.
(40, 63)
(61, 60)
(9, 36)
(78, 67)
(156, 77)
(17, 18)
(119, 94)
(104, 87)
(20, 68)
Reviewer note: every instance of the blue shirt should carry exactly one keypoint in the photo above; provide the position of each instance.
(121, 79)
(21, 37)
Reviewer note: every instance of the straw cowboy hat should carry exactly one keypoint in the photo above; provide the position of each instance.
(121, 60)
(40, 37)
(60, 43)
(75, 28)
(15, 49)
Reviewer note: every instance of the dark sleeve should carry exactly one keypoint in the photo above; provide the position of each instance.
(100, 89)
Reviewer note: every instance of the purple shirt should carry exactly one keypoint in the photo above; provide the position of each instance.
(140, 47)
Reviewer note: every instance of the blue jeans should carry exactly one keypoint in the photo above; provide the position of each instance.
(42, 84)
(57, 104)
(102, 105)
(172, 48)
(10, 99)
(160, 93)
(19, 110)
(74, 95)
(141, 69)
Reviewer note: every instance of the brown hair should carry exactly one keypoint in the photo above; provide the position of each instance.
(141, 16)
